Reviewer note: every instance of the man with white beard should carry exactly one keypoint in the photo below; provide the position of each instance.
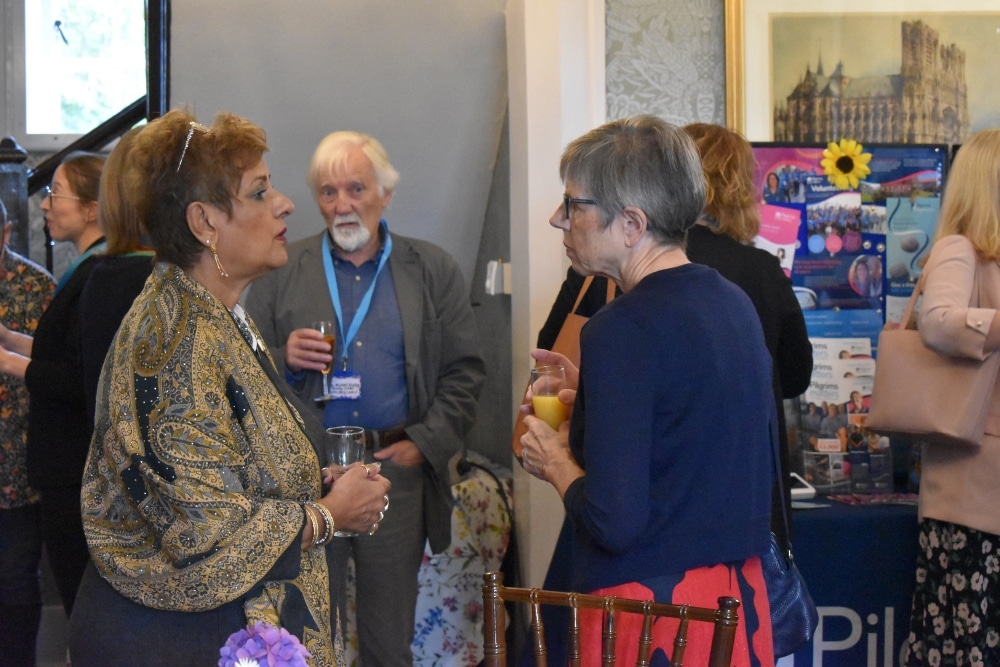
(406, 367)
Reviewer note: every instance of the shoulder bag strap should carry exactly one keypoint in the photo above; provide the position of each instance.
(583, 290)
(776, 459)
(908, 321)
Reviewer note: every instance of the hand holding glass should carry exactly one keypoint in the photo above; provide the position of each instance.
(344, 447)
(329, 331)
(546, 382)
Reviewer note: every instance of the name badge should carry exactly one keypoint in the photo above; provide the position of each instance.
(345, 386)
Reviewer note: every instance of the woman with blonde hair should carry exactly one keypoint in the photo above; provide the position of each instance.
(955, 617)
(119, 274)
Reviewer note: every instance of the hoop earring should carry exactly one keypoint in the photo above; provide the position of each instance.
(215, 255)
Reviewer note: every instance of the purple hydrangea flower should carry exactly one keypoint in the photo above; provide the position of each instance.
(267, 645)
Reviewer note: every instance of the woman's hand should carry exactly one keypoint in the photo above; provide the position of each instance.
(12, 363)
(550, 358)
(357, 498)
(546, 455)
(16, 342)
(567, 395)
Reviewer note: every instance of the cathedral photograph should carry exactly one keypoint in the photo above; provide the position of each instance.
(914, 90)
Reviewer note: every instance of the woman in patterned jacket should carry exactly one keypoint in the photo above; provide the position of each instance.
(203, 496)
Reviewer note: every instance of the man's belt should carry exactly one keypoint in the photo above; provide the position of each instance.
(382, 439)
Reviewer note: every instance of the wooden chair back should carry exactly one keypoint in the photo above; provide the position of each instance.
(725, 619)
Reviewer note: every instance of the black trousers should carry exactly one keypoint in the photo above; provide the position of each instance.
(65, 544)
(20, 590)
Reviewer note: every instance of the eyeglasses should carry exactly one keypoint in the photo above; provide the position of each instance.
(567, 200)
(51, 196)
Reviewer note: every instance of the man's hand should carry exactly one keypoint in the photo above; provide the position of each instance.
(307, 351)
(402, 453)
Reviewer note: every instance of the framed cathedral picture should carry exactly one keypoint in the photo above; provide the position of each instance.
(892, 71)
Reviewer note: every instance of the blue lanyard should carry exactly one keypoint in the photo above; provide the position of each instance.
(97, 247)
(366, 301)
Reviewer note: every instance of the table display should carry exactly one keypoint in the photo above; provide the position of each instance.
(859, 563)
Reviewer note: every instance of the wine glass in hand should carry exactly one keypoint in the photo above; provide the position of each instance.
(329, 331)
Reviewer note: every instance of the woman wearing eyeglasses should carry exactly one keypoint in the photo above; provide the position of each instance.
(49, 363)
(665, 466)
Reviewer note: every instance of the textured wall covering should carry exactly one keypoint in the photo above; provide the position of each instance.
(666, 57)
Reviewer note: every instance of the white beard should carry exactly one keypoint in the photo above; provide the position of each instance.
(350, 239)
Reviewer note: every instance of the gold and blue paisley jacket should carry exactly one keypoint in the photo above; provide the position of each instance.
(197, 470)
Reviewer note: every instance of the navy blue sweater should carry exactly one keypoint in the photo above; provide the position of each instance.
(673, 425)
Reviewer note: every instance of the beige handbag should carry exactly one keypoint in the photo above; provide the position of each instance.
(567, 344)
(921, 395)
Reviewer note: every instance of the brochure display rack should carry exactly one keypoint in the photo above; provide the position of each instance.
(853, 227)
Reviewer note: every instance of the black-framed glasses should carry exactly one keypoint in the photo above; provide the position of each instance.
(52, 196)
(567, 200)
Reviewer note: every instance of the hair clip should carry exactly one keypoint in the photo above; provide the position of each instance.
(194, 126)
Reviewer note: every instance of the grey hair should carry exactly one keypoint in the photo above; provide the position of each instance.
(332, 153)
(644, 162)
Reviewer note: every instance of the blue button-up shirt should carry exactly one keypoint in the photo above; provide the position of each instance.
(376, 353)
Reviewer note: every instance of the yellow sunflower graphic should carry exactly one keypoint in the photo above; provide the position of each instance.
(844, 164)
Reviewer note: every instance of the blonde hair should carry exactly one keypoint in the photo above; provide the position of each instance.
(115, 211)
(730, 198)
(971, 205)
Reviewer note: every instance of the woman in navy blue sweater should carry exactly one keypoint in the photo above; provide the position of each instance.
(665, 469)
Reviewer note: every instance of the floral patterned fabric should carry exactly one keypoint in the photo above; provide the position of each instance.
(955, 619)
(25, 291)
(449, 616)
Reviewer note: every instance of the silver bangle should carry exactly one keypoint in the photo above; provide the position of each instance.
(327, 519)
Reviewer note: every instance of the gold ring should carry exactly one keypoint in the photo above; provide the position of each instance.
(368, 471)
(374, 528)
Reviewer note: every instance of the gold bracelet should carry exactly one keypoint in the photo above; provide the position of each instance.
(314, 522)
(327, 519)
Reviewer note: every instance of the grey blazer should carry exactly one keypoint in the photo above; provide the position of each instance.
(444, 368)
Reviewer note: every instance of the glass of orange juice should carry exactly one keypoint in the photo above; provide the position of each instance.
(546, 382)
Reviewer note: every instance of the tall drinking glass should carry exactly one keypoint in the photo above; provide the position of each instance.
(329, 331)
(546, 382)
(344, 447)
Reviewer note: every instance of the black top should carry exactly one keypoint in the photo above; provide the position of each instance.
(58, 431)
(759, 274)
(114, 283)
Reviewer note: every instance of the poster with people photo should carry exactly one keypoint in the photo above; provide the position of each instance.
(863, 232)
(852, 225)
